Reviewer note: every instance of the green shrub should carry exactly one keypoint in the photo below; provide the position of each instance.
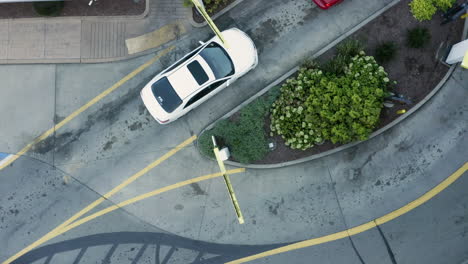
(425, 9)
(188, 3)
(385, 51)
(314, 106)
(310, 64)
(418, 37)
(336, 65)
(210, 5)
(444, 4)
(246, 136)
(350, 48)
(52, 8)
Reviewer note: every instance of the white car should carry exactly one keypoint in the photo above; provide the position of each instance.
(199, 75)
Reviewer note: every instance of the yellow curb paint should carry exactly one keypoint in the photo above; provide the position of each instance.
(84, 107)
(56, 231)
(361, 228)
(156, 38)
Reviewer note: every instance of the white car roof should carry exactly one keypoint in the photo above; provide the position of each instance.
(183, 81)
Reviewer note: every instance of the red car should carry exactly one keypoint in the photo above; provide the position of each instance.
(325, 4)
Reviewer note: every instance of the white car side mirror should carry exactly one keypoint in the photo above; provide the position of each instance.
(201, 42)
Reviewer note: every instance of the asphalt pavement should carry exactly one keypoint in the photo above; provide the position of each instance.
(116, 138)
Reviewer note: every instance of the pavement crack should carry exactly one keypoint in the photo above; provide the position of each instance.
(342, 216)
(387, 245)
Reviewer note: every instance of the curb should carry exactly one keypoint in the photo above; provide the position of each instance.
(346, 146)
(220, 13)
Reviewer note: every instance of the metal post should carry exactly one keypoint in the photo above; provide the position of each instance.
(235, 203)
(201, 8)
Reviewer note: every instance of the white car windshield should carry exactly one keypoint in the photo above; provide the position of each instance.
(218, 59)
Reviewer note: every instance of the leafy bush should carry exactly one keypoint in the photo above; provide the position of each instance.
(188, 3)
(425, 9)
(336, 65)
(350, 48)
(246, 136)
(210, 5)
(385, 51)
(315, 106)
(310, 64)
(345, 51)
(52, 8)
(444, 4)
(418, 37)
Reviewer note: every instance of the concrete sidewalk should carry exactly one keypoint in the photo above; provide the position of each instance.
(91, 39)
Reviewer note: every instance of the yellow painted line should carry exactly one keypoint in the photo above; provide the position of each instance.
(56, 231)
(144, 196)
(84, 107)
(156, 38)
(361, 228)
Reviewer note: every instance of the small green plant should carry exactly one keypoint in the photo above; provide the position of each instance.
(425, 9)
(336, 65)
(52, 8)
(385, 51)
(210, 5)
(245, 136)
(188, 3)
(310, 64)
(444, 4)
(350, 48)
(418, 37)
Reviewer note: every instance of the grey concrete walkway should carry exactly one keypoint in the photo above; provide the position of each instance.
(88, 39)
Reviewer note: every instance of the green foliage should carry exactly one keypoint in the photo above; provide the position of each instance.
(385, 51)
(188, 3)
(444, 4)
(350, 48)
(342, 108)
(336, 65)
(213, 5)
(246, 136)
(310, 64)
(52, 8)
(425, 9)
(418, 37)
(210, 5)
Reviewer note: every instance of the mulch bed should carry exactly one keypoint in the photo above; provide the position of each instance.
(197, 17)
(417, 71)
(78, 8)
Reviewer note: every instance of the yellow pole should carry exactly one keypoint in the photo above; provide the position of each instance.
(235, 203)
(210, 22)
(464, 63)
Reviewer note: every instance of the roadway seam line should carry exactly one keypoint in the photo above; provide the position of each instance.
(57, 231)
(332, 182)
(120, 205)
(86, 106)
(387, 245)
(363, 227)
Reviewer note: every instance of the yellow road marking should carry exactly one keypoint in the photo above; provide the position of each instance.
(142, 197)
(155, 38)
(56, 231)
(361, 228)
(83, 108)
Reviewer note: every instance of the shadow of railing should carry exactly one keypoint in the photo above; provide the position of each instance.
(205, 253)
